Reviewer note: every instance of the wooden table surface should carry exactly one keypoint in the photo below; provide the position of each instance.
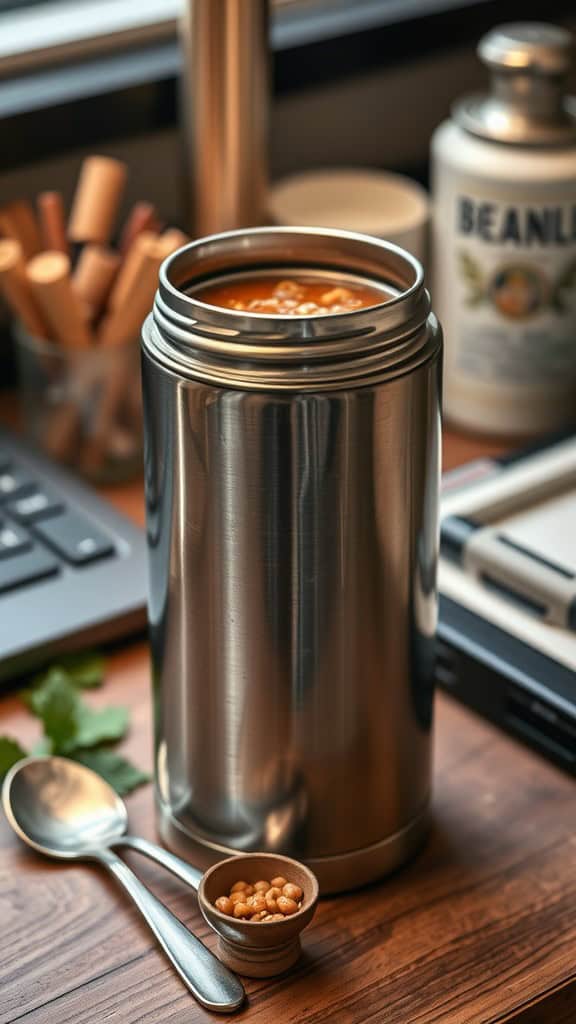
(480, 927)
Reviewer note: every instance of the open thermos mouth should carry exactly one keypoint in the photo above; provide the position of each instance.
(312, 352)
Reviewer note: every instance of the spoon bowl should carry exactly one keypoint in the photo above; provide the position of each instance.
(62, 809)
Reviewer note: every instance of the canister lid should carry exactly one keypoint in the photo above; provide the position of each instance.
(527, 105)
(374, 202)
(528, 46)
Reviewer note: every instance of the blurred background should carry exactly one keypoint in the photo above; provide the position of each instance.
(355, 82)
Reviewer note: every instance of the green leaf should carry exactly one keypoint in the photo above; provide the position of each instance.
(121, 774)
(56, 672)
(57, 704)
(10, 753)
(80, 670)
(68, 722)
(73, 728)
(85, 670)
(103, 726)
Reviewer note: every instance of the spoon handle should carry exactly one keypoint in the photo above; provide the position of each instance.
(185, 872)
(213, 985)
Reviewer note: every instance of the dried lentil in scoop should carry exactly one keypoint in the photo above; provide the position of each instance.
(263, 901)
(296, 296)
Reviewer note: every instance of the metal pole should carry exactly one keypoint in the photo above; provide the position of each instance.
(224, 112)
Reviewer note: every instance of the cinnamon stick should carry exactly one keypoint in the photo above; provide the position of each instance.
(17, 221)
(94, 276)
(143, 217)
(125, 320)
(17, 290)
(97, 198)
(173, 239)
(130, 270)
(49, 277)
(52, 221)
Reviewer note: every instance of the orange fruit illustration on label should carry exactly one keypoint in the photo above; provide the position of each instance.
(518, 291)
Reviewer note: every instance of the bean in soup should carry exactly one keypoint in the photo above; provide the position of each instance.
(291, 296)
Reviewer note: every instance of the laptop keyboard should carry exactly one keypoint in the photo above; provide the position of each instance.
(41, 532)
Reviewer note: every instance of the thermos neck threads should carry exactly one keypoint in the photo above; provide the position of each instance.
(263, 352)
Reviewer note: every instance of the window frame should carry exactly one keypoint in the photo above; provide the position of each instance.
(132, 88)
(50, 33)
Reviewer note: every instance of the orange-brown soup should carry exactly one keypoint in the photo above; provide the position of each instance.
(291, 295)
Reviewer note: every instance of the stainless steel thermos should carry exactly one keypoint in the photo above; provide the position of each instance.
(292, 469)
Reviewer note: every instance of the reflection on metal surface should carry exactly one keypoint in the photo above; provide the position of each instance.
(293, 557)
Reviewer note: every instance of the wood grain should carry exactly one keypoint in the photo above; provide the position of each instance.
(479, 929)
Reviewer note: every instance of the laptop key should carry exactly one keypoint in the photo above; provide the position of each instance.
(75, 538)
(13, 540)
(35, 506)
(27, 568)
(14, 483)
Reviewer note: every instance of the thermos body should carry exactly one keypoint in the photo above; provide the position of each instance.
(291, 482)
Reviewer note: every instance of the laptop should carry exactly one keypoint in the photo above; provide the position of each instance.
(72, 569)
(507, 581)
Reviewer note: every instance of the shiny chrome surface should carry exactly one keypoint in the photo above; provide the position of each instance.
(343, 871)
(224, 111)
(292, 532)
(179, 868)
(529, 64)
(64, 810)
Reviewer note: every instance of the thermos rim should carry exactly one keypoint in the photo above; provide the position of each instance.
(238, 349)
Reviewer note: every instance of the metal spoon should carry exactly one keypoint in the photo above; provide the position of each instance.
(65, 810)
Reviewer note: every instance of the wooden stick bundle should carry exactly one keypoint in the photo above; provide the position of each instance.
(102, 277)
(95, 301)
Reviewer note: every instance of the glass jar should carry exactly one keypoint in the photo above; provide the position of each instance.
(82, 406)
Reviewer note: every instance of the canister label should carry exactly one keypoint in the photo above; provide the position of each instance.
(515, 285)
